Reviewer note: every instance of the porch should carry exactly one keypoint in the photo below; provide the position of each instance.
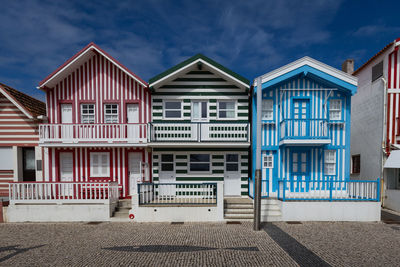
(304, 131)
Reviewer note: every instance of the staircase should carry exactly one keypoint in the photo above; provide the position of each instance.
(238, 209)
(270, 210)
(121, 213)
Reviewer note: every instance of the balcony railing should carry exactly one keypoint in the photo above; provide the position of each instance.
(304, 129)
(200, 132)
(93, 132)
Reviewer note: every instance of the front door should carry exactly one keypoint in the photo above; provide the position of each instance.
(66, 121)
(132, 118)
(28, 164)
(167, 176)
(301, 112)
(66, 173)
(135, 171)
(200, 115)
(300, 170)
(232, 181)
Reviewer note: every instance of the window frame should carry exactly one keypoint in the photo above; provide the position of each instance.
(341, 109)
(207, 118)
(232, 162)
(333, 162)
(262, 109)
(164, 109)
(100, 154)
(81, 113)
(167, 162)
(200, 162)
(268, 159)
(105, 114)
(235, 109)
(353, 171)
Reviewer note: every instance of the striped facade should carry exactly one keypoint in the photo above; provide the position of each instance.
(97, 79)
(393, 98)
(196, 80)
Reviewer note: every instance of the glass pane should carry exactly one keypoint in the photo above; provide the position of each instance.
(303, 167)
(232, 167)
(29, 159)
(294, 167)
(197, 167)
(204, 109)
(104, 160)
(199, 157)
(172, 105)
(230, 105)
(196, 110)
(303, 157)
(172, 114)
(222, 114)
(230, 114)
(222, 105)
(294, 157)
(232, 158)
(167, 167)
(167, 158)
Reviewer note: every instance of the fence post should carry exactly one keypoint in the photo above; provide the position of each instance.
(378, 189)
(284, 189)
(330, 189)
(279, 188)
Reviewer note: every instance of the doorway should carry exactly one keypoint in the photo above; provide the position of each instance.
(28, 164)
(232, 181)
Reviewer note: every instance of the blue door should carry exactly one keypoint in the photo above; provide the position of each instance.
(299, 170)
(301, 118)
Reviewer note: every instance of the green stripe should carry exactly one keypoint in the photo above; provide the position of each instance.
(199, 72)
(218, 164)
(245, 193)
(157, 114)
(205, 179)
(213, 114)
(243, 114)
(213, 100)
(244, 171)
(217, 156)
(155, 171)
(186, 107)
(181, 164)
(157, 107)
(186, 100)
(243, 100)
(213, 107)
(187, 114)
(155, 164)
(245, 156)
(243, 107)
(218, 171)
(243, 179)
(181, 171)
(244, 186)
(199, 80)
(245, 164)
(155, 179)
(155, 156)
(181, 156)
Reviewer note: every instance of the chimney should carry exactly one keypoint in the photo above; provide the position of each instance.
(348, 66)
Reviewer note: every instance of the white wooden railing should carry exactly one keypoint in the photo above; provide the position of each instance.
(92, 132)
(63, 192)
(200, 132)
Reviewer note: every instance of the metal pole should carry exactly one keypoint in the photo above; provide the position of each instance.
(257, 191)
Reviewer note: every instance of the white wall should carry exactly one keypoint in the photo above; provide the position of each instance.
(38, 156)
(392, 199)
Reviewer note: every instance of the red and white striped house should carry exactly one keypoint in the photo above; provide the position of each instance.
(375, 132)
(20, 156)
(97, 112)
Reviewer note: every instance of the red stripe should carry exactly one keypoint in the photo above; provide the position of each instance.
(17, 133)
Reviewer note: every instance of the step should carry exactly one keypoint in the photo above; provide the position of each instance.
(238, 206)
(121, 214)
(122, 209)
(238, 220)
(239, 216)
(238, 200)
(228, 210)
(125, 203)
(271, 213)
(271, 207)
(270, 201)
(271, 218)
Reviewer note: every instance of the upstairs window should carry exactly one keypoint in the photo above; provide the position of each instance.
(335, 109)
(87, 113)
(330, 162)
(226, 109)
(172, 109)
(111, 113)
(267, 109)
(355, 164)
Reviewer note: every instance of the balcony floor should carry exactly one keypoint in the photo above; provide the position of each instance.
(305, 142)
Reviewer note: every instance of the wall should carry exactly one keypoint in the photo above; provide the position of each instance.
(392, 199)
(367, 122)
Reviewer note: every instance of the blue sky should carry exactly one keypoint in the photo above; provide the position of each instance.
(249, 37)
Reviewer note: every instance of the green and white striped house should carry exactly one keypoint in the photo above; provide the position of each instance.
(200, 128)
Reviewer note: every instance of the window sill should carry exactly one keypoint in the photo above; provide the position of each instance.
(267, 122)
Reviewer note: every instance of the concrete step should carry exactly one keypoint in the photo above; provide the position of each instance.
(271, 218)
(238, 200)
(271, 207)
(271, 213)
(238, 206)
(228, 210)
(122, 209)
(238, 220)
(269, 201)
(121, 214)
(125, 203)
(238, 216)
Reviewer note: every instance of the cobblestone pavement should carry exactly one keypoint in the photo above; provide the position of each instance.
(196, 244)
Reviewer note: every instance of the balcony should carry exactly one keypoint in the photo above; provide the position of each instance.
(196, 132)
(94, 134)
(304, 132)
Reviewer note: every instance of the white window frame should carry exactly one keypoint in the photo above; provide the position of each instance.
(340, 111)
(201, 109)
(268, 161)
(235, 109)
(200, 162)
(111, 114)
(232, 162)
(164, 109)
(264, 110)
(94, 112)
(99, 154)
(329, 162)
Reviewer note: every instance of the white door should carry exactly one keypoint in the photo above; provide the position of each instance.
(135, 171)
(132, 117)
(232, 179)
(66, 121)
(200, 115)
(167, 176)
(66, 173)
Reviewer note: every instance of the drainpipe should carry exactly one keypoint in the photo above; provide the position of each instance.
(257, 178)
(383, 150)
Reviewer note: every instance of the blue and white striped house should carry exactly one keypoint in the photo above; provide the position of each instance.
(305, 127)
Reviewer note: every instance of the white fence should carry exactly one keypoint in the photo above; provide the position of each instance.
(74, 133)
(63, 192)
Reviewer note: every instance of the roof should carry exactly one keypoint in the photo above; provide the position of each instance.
(393, 161)
(87, 49)
(30, 106)
(306, 66)
(375, 56)
(193, 60)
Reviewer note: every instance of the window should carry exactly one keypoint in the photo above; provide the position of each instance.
(111, 113)
(173, 109)
(335, 109)
(330, 162)
(226, 109)
(268, 161)
(232, 162)
(355, 163)
(377, 71)
(199, 110)
(267, 109)
(167, 162)
(87, 113)
(7, 158)
(99, 164)
(299, 162)
(199, 162)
